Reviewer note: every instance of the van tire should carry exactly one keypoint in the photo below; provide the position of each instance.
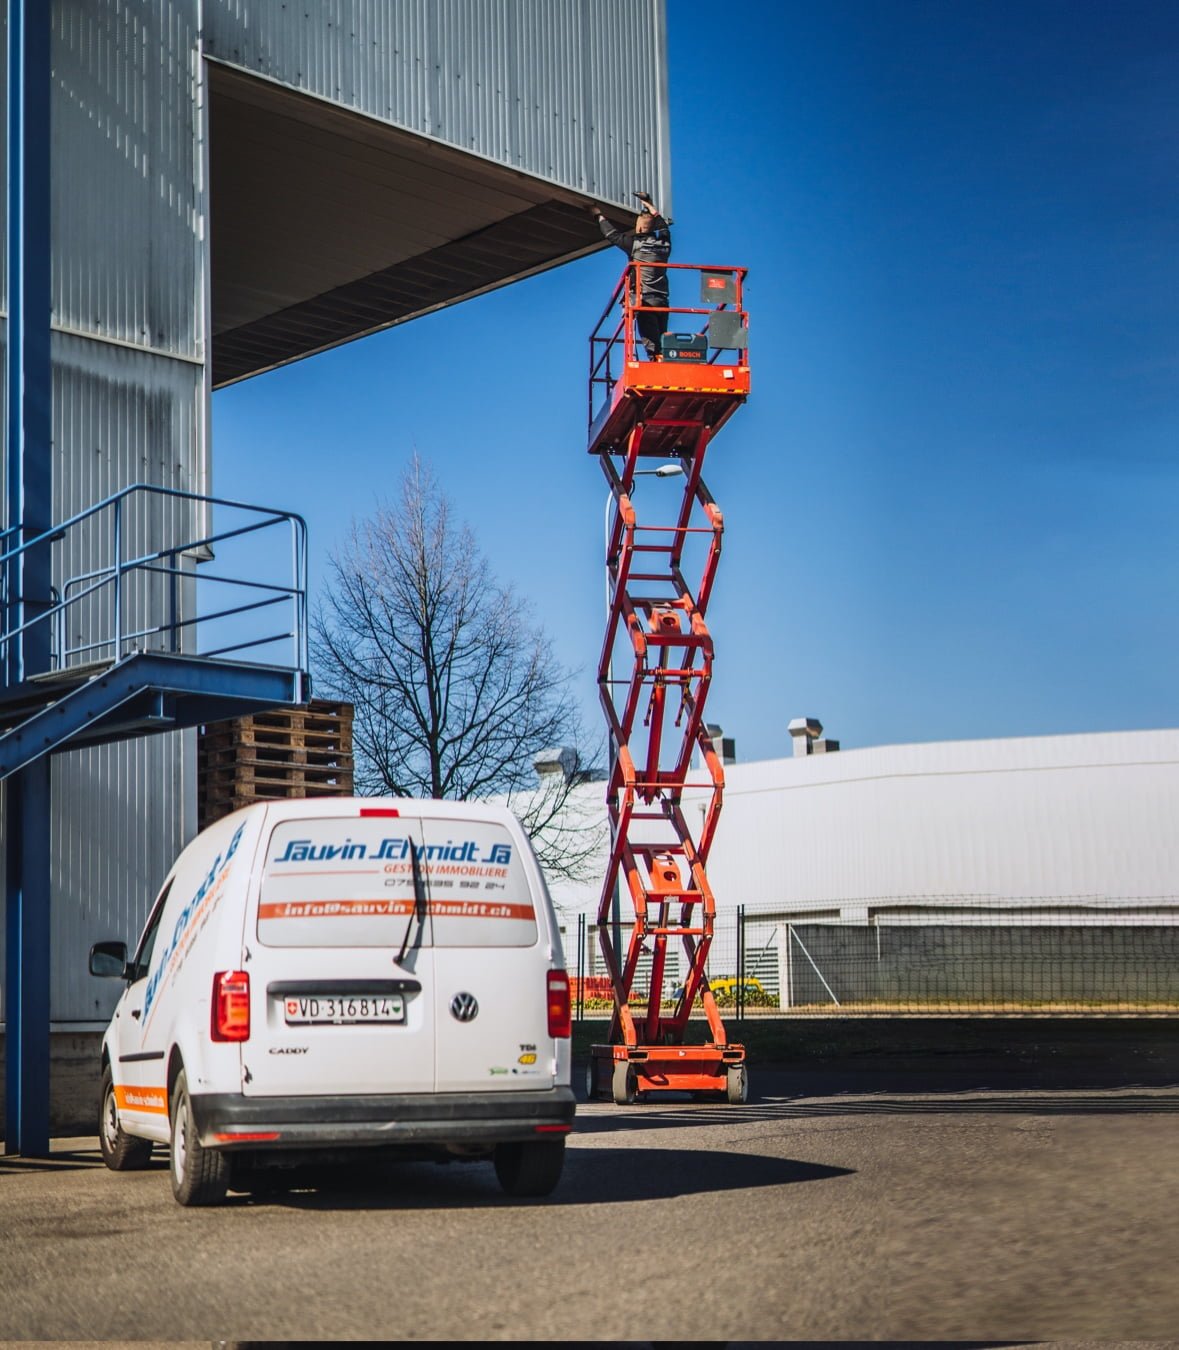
(122, 1152)
(200, 1176)
(529, 1169)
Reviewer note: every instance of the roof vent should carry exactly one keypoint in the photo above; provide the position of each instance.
(562, 759)
(807, 734)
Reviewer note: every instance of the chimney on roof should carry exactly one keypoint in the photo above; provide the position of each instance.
(807, 734)
(560, 759)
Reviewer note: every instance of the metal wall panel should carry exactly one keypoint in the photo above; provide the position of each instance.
(129, 246)
(130, 399)
(121, 416)
(121, 814)
(127, 214)
(572, 91)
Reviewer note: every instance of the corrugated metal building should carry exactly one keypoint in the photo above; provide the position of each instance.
(237, 184)
(372, 161)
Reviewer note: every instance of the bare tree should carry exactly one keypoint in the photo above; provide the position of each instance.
(455, 691)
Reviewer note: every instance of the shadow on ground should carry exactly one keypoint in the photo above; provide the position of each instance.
(65, 1160)
(591, 1177)
(679, 1111)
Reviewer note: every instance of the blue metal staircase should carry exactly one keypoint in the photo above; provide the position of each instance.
(155, 640)
(143, 693)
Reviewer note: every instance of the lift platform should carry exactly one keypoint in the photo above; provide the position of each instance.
(653, 676)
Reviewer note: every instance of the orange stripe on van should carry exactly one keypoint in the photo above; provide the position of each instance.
(443, 909)
(150, 1099)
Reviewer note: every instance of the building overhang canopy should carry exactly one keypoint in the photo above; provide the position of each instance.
(328, 225)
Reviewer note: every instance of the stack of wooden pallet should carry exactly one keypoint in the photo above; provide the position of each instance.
(289, 752)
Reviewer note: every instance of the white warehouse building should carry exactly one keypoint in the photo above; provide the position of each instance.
(1035, 869)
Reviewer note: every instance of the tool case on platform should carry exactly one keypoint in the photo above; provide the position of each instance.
(683, 347)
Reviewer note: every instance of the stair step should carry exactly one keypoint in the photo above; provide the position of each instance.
(146, 692)
(42, 691)
(72, 674)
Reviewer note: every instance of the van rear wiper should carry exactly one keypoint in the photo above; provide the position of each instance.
(419, 902)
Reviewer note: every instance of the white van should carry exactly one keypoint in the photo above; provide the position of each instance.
(327, 975)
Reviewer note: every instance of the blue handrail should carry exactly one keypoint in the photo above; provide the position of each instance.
(109, 578)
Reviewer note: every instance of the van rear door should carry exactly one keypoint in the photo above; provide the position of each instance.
(490, 959)
(341, 973)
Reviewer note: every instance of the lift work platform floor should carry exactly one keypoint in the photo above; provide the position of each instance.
(669, 397)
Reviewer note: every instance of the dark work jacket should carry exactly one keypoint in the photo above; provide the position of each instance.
(654, 246)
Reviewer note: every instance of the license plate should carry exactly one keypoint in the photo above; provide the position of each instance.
(343, 1009)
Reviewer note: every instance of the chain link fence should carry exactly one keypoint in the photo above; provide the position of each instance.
(913, 958)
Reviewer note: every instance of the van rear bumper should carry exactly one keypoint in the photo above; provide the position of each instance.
(230, 1120)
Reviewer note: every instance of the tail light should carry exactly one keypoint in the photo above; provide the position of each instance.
(231, 1006)
(560, 1011)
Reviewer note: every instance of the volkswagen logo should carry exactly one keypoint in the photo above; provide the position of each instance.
(464, 1007)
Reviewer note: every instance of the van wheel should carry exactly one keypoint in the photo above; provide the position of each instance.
(200, 1176)
(529, 1169)
(122, 1152)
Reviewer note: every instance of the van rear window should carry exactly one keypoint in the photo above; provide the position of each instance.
(350, 883)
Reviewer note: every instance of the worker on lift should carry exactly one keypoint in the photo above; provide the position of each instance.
(648, 242)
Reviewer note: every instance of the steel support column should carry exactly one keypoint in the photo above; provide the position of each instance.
(28, 478)
(26, 833)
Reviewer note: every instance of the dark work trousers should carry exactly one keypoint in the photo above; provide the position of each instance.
(651, 327)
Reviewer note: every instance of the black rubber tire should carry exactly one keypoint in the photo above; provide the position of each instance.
(737, 1085)
(624, 1085)
(529, 1169)
(591, 1079)
(200, 1176)
(122, 1152)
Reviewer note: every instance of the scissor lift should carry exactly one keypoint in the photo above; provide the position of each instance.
(670, 409)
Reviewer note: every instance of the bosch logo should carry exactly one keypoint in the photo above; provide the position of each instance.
(464, 1007)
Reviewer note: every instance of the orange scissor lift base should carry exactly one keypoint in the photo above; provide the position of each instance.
(623, 1072)
(640, 409)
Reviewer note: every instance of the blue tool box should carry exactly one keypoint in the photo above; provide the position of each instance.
(683, 347)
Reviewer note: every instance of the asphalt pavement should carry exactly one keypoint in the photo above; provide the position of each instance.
(880, 1204)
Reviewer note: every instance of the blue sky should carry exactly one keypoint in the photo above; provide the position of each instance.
(950, 500)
